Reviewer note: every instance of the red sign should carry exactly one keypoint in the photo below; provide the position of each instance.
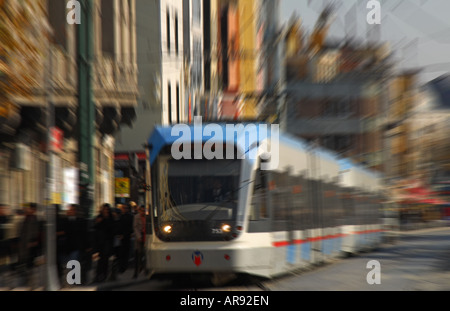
(56, 140)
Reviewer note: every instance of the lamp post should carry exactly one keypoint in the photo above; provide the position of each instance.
(51, 280)
(86, 108)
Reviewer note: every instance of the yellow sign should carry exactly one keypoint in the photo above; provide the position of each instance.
(56, 198)
(122, 187)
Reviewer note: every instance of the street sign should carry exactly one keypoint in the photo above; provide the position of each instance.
(122, 187)
(56, 140)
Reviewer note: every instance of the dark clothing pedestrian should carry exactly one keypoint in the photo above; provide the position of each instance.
(61, 242)
(139, 225)
(4, 241)
(126, 231)
(76, 228)
(117, 242)
(29, 242)
(105, 232)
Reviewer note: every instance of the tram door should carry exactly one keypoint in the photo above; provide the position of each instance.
(315, 233)
(283, 221)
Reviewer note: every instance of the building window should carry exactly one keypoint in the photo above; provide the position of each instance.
(57, 20)
(168, 31)
(178, 103)
(176, 34)
(107, 12)
(169, 101)
(196, 14)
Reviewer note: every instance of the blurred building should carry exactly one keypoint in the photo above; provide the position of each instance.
(170, 65)
(418, 142)
(22, 101)
(212, 90)
(193, 36)
(241, 51)
(403, 96)
(429, 124)
(229, 58)
(336, 93)
(114, 94)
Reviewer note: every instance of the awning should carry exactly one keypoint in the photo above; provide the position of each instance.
(9, 125)
(416, 193)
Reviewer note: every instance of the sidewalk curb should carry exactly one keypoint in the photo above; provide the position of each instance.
(108, 286)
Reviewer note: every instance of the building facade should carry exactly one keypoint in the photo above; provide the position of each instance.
(244, 60)
(25, 155)
(193, 57)
(429, 124)
(166, 69)
(336, 93)
(403, 97)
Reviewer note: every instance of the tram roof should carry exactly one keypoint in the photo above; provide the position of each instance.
(183, 133)
(162, 136)
(301, 144)
(347, 164)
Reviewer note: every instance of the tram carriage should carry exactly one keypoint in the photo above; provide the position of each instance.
(231, 216)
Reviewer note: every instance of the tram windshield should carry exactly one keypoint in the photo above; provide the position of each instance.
(193, 194)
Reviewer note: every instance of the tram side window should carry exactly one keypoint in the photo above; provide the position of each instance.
(281, 195)
(340, 213)
(331, 208)
(259, 209)
(300, 211)
(326, 205)
(360, 208)
(349, 209)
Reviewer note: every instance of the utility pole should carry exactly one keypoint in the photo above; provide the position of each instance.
(86, 108)
(51, 274)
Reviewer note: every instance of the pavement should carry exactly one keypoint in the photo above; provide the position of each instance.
(122, 280)
(12, 281)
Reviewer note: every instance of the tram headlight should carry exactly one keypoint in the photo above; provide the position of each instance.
(226, 228)
(167, 229)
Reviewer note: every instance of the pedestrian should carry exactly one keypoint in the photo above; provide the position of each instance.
(75, 232)
(14, 235)
(117, 240)
(126, 230)
(139, 226)
(86, 243)
(4, 241)
(29, 243)
(61, 241)
(134, 208)
(104, 231)
(134, 212)
(4, 221)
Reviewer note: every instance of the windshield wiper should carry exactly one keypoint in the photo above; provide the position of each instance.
(219, 206)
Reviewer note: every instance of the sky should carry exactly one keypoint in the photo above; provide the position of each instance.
(418, 31)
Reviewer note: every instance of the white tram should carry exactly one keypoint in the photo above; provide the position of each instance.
(232, 216)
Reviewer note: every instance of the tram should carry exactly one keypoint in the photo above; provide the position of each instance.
(236, 214)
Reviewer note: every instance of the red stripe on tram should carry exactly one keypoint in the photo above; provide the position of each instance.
(321, 238)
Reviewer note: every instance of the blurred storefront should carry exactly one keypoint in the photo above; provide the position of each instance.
(39, 87)
(417, 204)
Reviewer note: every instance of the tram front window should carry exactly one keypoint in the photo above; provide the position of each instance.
(197, 199)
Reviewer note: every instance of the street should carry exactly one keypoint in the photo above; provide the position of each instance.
(418, 261)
